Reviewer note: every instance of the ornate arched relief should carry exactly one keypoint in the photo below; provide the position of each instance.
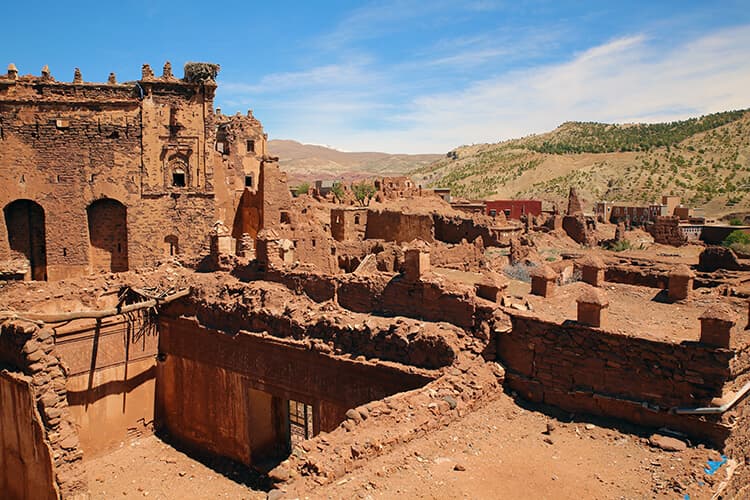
(178, 173)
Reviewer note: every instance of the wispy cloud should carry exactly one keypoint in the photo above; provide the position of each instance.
(365, 104)
(623, 80)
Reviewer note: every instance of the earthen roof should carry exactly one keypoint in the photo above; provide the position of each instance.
(593, 295)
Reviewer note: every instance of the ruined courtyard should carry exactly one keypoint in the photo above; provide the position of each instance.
(175, 323)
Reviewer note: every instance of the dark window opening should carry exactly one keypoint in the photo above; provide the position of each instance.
(333, 250)
(249, 181)
(507, 212)
(91, 178)
(356, 219)
(171, 245)
(285, 218)
(493, 212)
(250, 146)
(119, 248)
(178, 179)
(65, 252)
(313, 243)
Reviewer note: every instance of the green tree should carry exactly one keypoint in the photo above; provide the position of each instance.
(363, 192)
(303, 188)
(735, 221)
(338, 190)
(737, 238)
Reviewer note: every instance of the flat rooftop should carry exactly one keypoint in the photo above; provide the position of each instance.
(638, 311)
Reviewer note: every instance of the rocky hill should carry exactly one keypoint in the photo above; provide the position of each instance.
(307, 162)
(704, 160)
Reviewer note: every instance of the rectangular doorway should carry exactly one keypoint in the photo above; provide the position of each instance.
(300, 422)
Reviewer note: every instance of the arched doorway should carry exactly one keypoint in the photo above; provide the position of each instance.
(108, 236)
(24, 220)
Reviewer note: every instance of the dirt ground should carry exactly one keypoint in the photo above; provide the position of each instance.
(149, 467)
(499, 451)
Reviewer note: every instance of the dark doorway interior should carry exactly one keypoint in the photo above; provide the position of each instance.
(24, 220)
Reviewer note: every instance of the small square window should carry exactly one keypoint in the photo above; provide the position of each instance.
(178, 179)
(249, 181)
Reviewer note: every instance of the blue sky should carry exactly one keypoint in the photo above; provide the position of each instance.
(410, 76)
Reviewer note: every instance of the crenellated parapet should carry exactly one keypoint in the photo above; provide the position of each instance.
(17, 87)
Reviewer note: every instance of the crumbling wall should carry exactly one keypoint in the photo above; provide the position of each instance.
(714, 258)
(583, 369)
(397, 226)
(238, 153)
(580, 229)
(217, 391)
(348, 224)
(26, 470)
(651, 276)
(453, 229)
(666, 230)
(431, 298)
(464, 256)
(29, 349)
(67, 145)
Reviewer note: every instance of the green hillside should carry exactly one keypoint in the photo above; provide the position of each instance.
(704, 160)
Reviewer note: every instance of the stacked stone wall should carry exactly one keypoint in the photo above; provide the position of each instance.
(579, 368)
(27, 348)
(666, 230)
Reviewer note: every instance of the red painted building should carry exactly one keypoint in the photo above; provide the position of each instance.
(513, 209)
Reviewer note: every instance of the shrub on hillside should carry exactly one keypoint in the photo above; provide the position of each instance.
(739, 241)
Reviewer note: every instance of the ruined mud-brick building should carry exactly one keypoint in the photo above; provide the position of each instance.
(113, 176)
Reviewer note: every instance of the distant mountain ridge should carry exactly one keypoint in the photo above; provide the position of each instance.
(704, 160)
(307, 162)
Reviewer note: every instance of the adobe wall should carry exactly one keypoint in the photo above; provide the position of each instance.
(348, 224)
(425, 348)
(399, 227)
(26, 471)
(582, 369)
(650, 276)
(28, 349)
(463, 256)
(666, 230)
(67, 145)
(222, 393)
(383, 294)
(239, 151)
(455, 229)
(111, 374)
(396, 296)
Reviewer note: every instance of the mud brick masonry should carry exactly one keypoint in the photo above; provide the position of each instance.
(114, 176)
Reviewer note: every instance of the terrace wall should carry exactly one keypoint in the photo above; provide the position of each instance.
(583, 369)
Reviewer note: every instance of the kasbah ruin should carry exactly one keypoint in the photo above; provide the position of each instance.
(175, 323)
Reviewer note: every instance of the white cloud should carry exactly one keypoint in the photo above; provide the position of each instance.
(621, 81)
(367, 105)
